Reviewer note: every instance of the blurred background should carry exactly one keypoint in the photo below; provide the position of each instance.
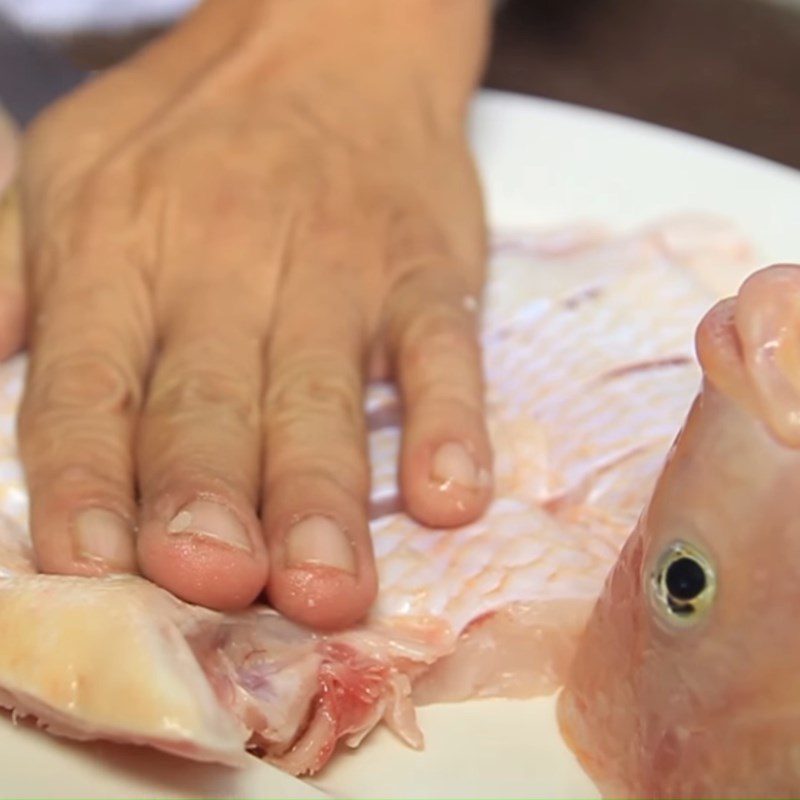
(727, 70)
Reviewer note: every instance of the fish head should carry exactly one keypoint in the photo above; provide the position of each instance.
(686, 682)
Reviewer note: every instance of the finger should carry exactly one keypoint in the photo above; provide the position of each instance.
(83, 392)
(198, 459)
(9, 150)
(12, 295)
(316, 472)
(12, 288)
(446, 461)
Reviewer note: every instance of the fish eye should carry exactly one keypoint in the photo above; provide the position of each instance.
(683, 583)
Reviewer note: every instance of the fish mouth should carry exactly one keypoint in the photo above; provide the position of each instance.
(749, 348)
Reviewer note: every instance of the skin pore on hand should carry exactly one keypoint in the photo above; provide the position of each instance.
(226, 237)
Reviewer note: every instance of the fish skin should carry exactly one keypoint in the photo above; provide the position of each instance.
(587, 342)
(711, 709)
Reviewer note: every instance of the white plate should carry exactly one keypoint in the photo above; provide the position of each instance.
(542, 163)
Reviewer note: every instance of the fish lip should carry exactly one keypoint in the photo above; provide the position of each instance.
(746, 347)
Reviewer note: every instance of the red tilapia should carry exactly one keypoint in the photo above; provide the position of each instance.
(686, 681)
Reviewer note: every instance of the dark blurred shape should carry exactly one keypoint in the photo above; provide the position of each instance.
(99, 50)
(32, 74)
(728, 70)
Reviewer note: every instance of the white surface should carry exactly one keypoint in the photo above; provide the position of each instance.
(35, 765)
(543, 163)
(486, 749)
(57, 16)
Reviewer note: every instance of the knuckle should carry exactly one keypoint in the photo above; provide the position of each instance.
(438, 332)
(73, 480)
(85, 381)
(205, 393)
(414, 239)
(348, 471)
(56, 436)
(438, 401)
(75, 477)
(452, 397)
(439, 324)
(177, 471)
(319, 386)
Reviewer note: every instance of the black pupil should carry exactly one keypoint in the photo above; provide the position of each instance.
(685, 579)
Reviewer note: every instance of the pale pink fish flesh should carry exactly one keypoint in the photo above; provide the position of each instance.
(589, 376)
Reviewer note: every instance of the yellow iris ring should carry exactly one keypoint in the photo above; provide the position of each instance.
(678, 610)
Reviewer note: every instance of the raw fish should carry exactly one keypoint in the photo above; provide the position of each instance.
(686, 680)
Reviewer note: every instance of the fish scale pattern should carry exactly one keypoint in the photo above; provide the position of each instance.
(585, 393)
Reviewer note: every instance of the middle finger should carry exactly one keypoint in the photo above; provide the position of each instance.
(198, 456)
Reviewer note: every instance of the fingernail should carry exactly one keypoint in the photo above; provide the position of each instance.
(452, 465)
(319, 541)
(210, 520)
(102, 535)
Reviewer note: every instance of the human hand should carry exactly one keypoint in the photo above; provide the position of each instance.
(12, 295)
(226, 237)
